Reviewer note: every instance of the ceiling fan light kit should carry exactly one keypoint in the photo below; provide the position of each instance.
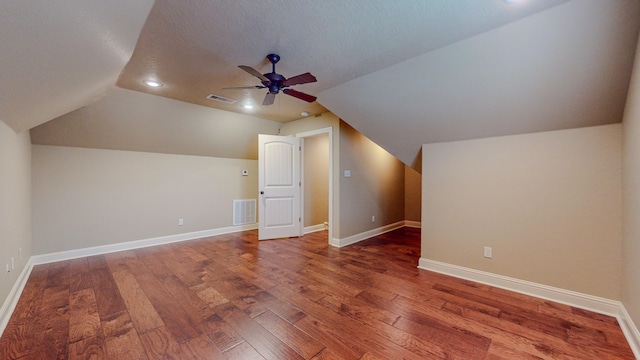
(275, 82)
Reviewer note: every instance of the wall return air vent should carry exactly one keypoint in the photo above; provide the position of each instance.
(220, 98)
(244, 211)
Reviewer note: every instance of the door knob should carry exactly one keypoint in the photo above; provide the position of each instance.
(261, 192)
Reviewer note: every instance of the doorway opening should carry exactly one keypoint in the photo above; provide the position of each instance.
(317, 180)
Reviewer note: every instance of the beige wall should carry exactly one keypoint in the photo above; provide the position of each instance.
(89, 197)
(316, 180)
(375, 188)
(412, 194)
(631, 198)
(15, 205)
(549, 204)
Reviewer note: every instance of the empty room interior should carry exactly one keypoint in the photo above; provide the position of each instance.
(320, 179)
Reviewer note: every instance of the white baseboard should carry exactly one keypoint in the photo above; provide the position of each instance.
(413, 224)
(365, 235)
(105, 249)
(584, 301)
(314, 228)
(374, 232)
(11, 301)
(630, 330)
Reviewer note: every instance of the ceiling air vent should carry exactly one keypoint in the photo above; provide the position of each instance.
(220, 98)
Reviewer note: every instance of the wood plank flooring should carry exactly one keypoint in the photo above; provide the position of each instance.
(232, 297)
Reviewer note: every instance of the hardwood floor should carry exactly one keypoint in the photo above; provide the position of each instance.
(232, 297)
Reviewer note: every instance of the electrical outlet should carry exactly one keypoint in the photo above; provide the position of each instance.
(488, 252)
(180, 222)
(373, 218)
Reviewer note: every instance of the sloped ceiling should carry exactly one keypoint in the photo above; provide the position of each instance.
(134, 121)
(402, 73)
(57, 56)
(563, 68)
(194, 47)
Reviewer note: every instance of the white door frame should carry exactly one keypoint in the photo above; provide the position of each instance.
(327, 130)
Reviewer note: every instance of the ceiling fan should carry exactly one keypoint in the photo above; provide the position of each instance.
(276, 82)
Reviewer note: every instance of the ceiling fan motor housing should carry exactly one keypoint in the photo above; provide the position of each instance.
(275, 82)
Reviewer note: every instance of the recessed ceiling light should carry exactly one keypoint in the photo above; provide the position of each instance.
(247, 106)
(304, 113)
(152, 83)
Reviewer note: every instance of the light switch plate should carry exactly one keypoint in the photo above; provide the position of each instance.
(488, 252)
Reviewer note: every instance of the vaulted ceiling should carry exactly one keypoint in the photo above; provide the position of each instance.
(194, 47)
(563, 68)
(58, 56)
(404, 73)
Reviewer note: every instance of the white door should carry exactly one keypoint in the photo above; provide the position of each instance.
(279, 184)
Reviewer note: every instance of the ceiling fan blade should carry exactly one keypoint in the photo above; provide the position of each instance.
(253, 72)
(300, 79)
(244, 87)
(268, 99)
(300, 95)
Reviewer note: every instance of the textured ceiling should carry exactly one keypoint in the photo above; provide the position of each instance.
(57, 56)
(563, 68)
(134, 121)
(403, 73)
(194, 47)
